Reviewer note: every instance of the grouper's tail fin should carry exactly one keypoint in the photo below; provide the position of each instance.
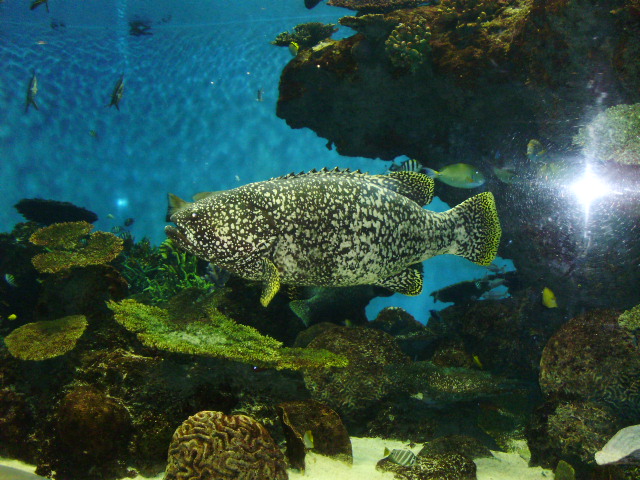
(476, 229)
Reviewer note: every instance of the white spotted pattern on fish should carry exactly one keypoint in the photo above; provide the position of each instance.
(334, 228)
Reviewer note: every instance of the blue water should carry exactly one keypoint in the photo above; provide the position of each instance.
(189, 120)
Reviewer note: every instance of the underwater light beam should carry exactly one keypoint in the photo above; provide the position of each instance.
(588, 189)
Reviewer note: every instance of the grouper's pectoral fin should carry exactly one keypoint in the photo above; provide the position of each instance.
(407, 282)
(271, 279)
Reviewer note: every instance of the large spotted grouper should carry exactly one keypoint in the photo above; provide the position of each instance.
(333, 228)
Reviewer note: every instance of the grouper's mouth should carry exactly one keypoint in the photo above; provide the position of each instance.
(177, 236)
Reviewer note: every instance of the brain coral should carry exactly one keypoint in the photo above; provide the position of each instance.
(212, 445)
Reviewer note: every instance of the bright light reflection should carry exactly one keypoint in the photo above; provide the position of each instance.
(122, 202)
(589, 188)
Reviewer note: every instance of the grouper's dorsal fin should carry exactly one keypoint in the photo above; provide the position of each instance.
(324, 171)
(175, 204)
(413, 185)
(201, 195)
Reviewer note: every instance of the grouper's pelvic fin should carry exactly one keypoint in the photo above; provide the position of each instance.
(476, 229)
(271, 282)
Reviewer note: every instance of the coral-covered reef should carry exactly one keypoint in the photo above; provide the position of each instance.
(193, 325)
(613, 136)
(226, 447)
(590, 376)
(363, 382)
(46, 339)
(306, 35)
(322, 427)
(68, 248)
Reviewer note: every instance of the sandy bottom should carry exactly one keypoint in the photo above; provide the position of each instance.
(367, 452)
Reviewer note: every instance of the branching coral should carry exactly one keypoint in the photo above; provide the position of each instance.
(203, 330)
(613, 135)
(69, 247)
(306, 35)
(47, 339)
(408, 44)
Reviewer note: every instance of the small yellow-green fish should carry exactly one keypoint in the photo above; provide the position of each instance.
(549, 298)
(476, 360)
(12, 317)
(459, 175)
(31, 93)
(506, 175)
(10, 279)
(293, 48)
(536, 151)
(93, 133)
(308, 440)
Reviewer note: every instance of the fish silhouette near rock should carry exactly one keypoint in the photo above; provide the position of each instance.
(333, 228)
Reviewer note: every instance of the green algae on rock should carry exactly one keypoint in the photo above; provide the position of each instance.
(209, 333)
(408, 44)
(46, 339)
(613, 135)
(630, 319)
(69, 247)
(306, 35)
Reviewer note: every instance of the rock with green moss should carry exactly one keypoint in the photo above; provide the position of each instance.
(408, 44)
(71, 245)
(46, 339)
(630, 319)
(613, 135)
(197, 327)
(306, 35)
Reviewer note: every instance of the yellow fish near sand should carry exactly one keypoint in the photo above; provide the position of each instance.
(549, 298)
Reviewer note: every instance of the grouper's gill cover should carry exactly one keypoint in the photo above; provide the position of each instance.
(333, 228)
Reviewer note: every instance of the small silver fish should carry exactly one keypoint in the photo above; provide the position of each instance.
(489, 284)
(31, 93)
(406, 458)
(259, 97)
(494, 295)
(118, 91)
